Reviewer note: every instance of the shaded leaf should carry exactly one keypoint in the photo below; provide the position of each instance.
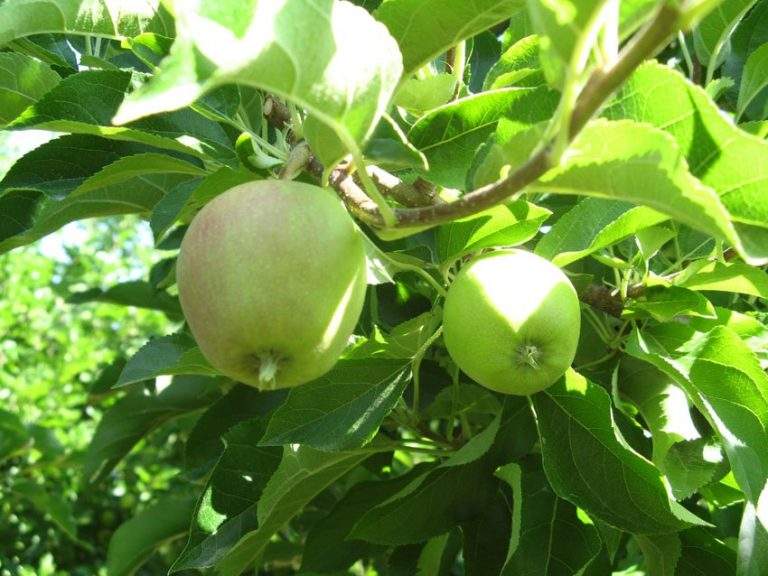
(340, 410)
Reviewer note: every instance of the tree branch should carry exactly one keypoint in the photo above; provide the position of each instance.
(598, 89)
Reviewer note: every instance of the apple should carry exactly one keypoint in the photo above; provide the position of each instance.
(272, 279)
(512, 321)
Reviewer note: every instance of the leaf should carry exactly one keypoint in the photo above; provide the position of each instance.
(205, 443)
(77, 177)
(714, 29)
(588, 465)
(13, 434)
(138, 413)
(137, 293)
(303, 473)
(456, 494)
(723, 379)
(610, 159)
(136, 540)
(389, 147)
(53, 505)
(702, 553)
(328, 547)
(661, 553)
(183, 202)
(725, 158)
(733, 277)
(486, 538)
(174, 354)
(458, 490)
(226, 510)
(102, 385)
(340, 410)
(450, 135)
(419, 95)
(518, 66)
(109, 19)
(591, 225)
(561, 26)
(547, 536)
(84, 103)
(426, 28)
(23, 81)
(755, 78)
(509, 224)
(753, 543)
(665, 303)
(305, 50)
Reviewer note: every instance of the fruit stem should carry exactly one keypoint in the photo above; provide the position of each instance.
(268, 366)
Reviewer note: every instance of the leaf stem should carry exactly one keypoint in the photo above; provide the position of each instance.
(416, 364)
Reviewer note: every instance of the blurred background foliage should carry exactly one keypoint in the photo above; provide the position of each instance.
(51, 355)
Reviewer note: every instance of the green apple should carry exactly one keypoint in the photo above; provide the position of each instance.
(512, 321)
(272, 280)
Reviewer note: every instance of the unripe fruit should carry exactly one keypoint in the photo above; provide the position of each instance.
(512, 322)
(272, 280)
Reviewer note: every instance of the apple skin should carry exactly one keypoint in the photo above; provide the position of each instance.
(272, 280)
(512, 321)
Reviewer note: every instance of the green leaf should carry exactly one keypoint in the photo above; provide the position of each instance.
(702, 553)
(84, 103)
(469, 399)
(679, 450)
(665, 303)
(419, 95)
(340, 410)
(753, 544)
(136, 540)
(486, 538)
(13, 434)
(561, 25)
(77, 177)
(509, 224)
(518, 66)
(547, 536)
(584, 460)
(108, 19)
(713, 31)
(755, 78)
(640, 164)
(137, 293)
(661, 553)
(303, 473)
(138, 413)
(729, 277)
(23, 81)
(389, 147)
(328, 547)
(455, 493)
(182, 203)
(205, 443)
(226, 510)
(591, 225)
(174, 354)
(724, 380)
(723, 157)
(307, 51)
(450, 135)
(426, 28)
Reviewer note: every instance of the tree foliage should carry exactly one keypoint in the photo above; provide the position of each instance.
(624, 141)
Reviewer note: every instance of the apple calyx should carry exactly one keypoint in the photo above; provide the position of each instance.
(269, 364)
(529, 355)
